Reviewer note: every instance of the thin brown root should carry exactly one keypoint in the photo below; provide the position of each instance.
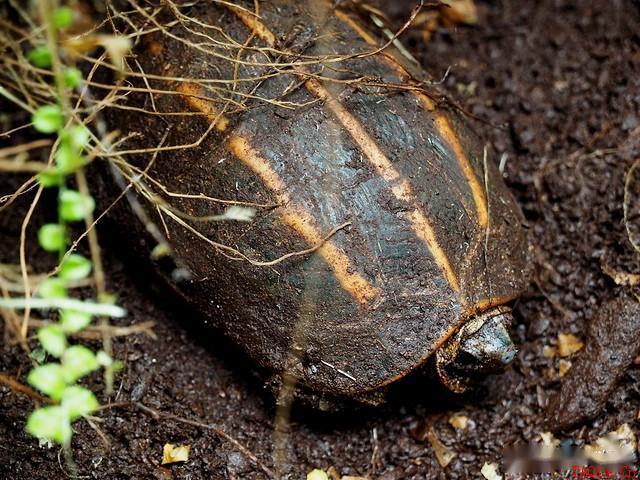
(625, 203)
(217, 430)
(16, 386)
(26, 187)
(23, 260)
(103, 436)
(237, 255)
(24, 147)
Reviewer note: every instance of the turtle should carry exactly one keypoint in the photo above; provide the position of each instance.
(384, 236)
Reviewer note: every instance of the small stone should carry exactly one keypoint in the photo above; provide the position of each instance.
(236, 463)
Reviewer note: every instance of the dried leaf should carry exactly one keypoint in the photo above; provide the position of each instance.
(458, 421)
(615, 447)
(460, 11)
(563, 367)
(490, 471)
(317, 474)
(626, 435)
(237, 213)
(116, 46)
(548, 351)
(161, 250)
(173, 454)
(424, 17)
(333, 473)
(568, 344)
(444, 454)
(81, 45)
(621, 277)
(548, 439)
(549, 444)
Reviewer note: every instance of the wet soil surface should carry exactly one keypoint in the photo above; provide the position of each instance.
(558, 83)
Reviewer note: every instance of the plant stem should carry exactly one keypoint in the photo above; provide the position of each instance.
(8, 95)
(64, 303)
(98, 274)
(46, 7)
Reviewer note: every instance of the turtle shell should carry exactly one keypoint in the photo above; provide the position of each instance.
(382, 224)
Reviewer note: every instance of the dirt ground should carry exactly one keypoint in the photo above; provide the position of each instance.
(557, 86)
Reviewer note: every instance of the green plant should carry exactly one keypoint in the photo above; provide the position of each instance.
(58, 379)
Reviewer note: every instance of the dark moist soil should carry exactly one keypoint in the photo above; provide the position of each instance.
(558, 85)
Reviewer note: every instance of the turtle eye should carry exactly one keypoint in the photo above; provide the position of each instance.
(508, 356)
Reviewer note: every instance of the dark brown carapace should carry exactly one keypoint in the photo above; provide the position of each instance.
(302, 110)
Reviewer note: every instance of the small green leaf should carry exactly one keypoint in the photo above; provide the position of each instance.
(73, 321)
(68, 158)
(69, 155)
(75, 267)
(38, 354)
(50, 178)
(48, 118)
(52, 339)
(78, 361)
(52, 237)
(53, 287)
(49, 379)
(73, 206)
(116, 366)
(79, 136)
(72, 77)
(62, 17)
(76, 136)
(50, 423)
(40, 57)
(78, 401)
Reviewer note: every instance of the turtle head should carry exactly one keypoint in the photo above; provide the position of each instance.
(481, 346)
